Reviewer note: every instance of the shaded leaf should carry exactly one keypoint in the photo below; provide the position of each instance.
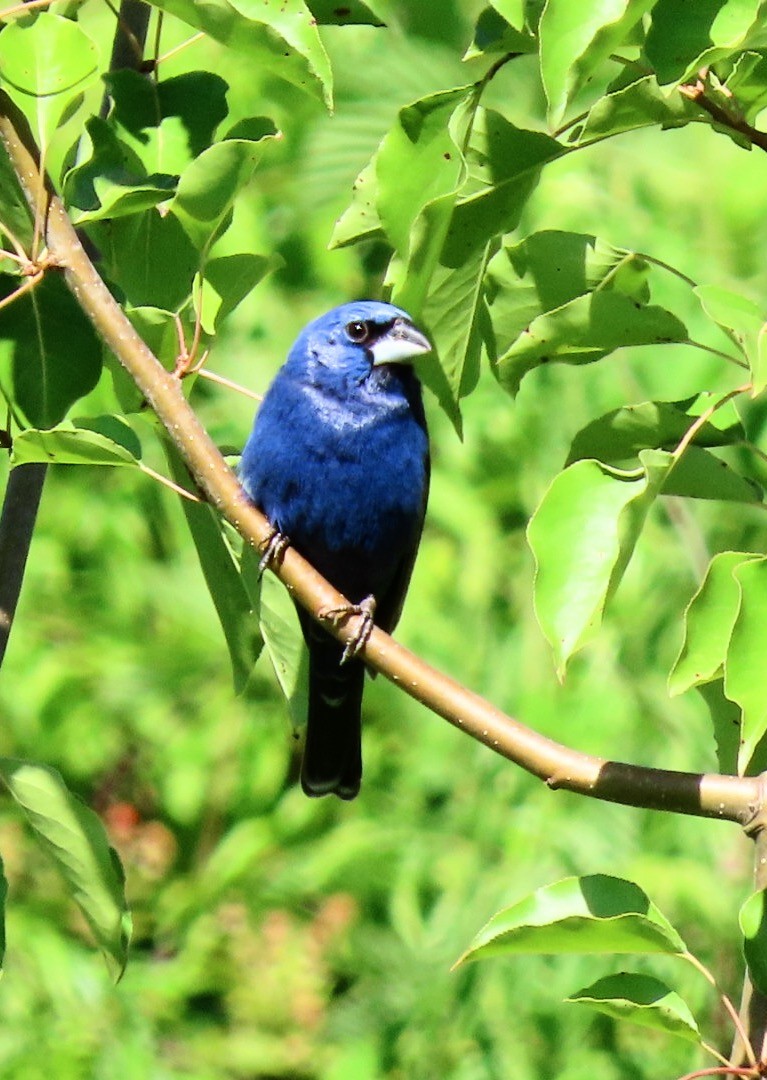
(683, 38)
(640, 104)
(725, 718)
(169, 123)
(640, 999)
(743, 320)
(237, 606)
(494, 33)
(347, 12)
(75, 838)
(163, 260)
(592, 914)
(50, 354)
(620, 434)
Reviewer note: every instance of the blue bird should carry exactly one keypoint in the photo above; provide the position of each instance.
(338, 461)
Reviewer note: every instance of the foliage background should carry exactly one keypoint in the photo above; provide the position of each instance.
(279, 937)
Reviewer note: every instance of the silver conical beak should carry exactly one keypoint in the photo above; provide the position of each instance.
(401, 342)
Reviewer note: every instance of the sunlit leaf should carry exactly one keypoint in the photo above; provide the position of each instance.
(576, 38)
(708, 623)
(226, 281)
(744, 681)
(285, 646)
(104, 440)
(279, 38)
(592, 914)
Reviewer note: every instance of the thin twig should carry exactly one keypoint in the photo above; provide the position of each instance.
(17, 9)
(723, 1070)
(206, 374)
(716, 352)
(730, 1009)
(178, 48)
(704, 417)
(28, 285)
(168, 483)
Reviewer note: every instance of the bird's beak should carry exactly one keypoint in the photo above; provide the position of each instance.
(401, 342)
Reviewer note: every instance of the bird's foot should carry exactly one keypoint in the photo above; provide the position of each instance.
(274, 550)
(366, 609)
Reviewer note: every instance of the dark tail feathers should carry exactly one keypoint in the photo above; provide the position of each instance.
(332, 761)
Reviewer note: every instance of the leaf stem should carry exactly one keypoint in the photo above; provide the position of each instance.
(729, 1009)
(717, 352)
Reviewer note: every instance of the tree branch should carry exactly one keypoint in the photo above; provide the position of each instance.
(704, 795)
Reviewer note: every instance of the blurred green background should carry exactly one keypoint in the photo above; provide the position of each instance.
(281, 937)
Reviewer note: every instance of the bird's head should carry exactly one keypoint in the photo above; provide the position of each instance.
(350, 342)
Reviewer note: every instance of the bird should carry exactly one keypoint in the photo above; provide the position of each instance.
(338, 462)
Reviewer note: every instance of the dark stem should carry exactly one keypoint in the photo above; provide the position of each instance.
(129, 40)
(696, 92)
(17, 523)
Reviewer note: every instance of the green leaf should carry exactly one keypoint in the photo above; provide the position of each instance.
(360, 221)
(75, 838)
(209, 185)
(226, 281)
(582, 536)
(285, 646)
(105, 440)
(51, 60)
(167, 124)
(417, 162)
(585, 330)
(576, 39)
(281, 39)
(744, 681)
(452, 316)
(753, 924)
(163, 260)
(620, 434)
(581, 295)
(49, 352)
(744, 322)
(112, 182)
(747, 83)
(682, 39)
(700, 475)
(237, 605)
(504, 163)
(595, 914)
(640, 999)
(640, 104)
(708, 624)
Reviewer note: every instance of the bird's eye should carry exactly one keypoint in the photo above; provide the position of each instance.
(358, 332)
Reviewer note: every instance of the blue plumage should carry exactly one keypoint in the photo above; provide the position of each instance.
(338, 461)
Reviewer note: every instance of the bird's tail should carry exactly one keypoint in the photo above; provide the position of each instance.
(332, 762)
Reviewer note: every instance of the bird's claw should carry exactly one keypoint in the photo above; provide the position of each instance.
(366, 609)
(272, 553)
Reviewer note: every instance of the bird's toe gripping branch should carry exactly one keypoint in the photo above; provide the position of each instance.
(273, 551)
(366, 609)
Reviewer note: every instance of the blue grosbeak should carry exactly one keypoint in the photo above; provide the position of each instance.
(338, 461)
